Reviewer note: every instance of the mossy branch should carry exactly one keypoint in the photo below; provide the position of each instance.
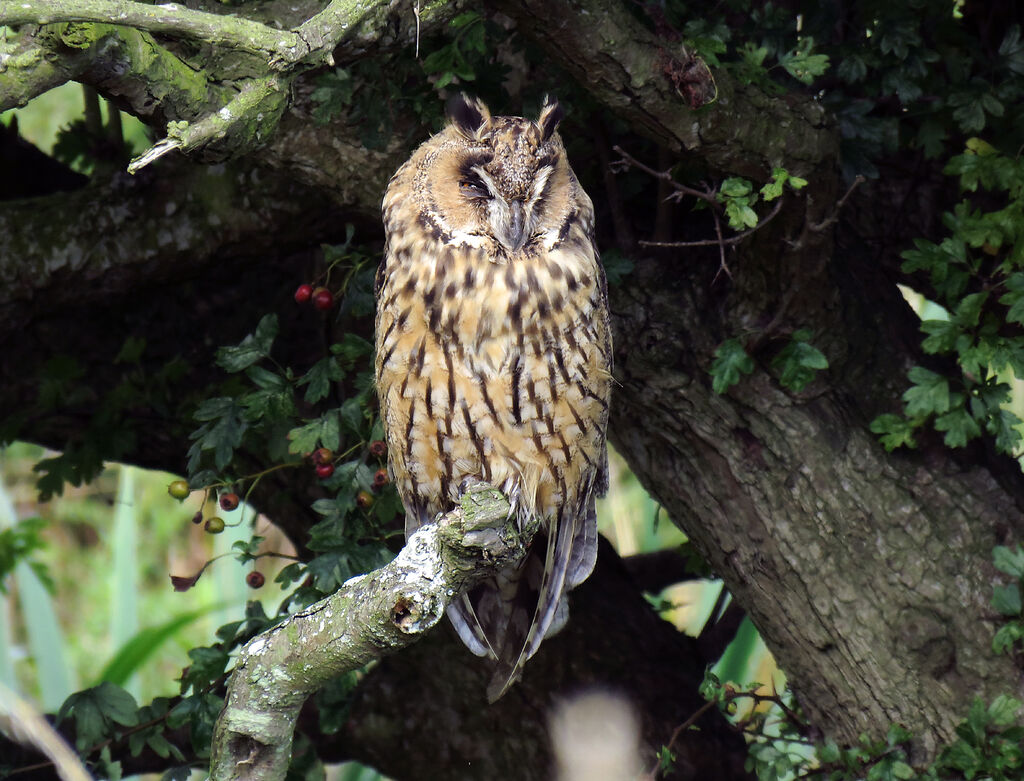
(281, 46)
(370, 616)
(254, 106)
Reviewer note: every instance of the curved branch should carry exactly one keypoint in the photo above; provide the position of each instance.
(647, 81)
(246, 121)
(282, 46)
(26, 71)
(370, 616)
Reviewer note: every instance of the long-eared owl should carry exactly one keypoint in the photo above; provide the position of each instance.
(494, 358)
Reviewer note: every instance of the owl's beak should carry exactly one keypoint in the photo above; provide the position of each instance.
(515, 235)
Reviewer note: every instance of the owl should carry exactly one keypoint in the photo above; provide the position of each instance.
(494, 357)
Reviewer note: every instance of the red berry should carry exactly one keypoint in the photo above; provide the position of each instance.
(323, 471)
(323, 455)
(197, 518)
(303, 293)
(378, 448)
(255, 579)
(323, 298)
(364, 499)
(380, 478)
(214, 525)
(228, 501)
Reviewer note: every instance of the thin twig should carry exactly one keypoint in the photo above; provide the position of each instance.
(666, 176)
(416, 13)
(712, 242)
(721, 250)
(817, 228)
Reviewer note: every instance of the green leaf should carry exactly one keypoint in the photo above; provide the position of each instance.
(773, 189)
(1005, 425)
(223, 430)
(388, 505)
(801, 64)
(18, 543)
(351, 347)
(730, 362)
(1014, 298)
(894, 431)
(902, 770)
(208, 664)
(852, 68)
(131, 351)
(330, 432)
(1003, 710)
(320, 377)
(303, 439)
(959, 426)
(740, 215)
(734, 187)
(928, 395)
(828, 753)
(1007, 637)
(265, 379)
(353, 415)
(942, 335)
(968, 310)
(96, 711)
(252, 348)
(798, 362)
(1006, 600)
(1009, 561)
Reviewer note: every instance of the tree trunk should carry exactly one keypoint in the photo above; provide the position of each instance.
(868, 573)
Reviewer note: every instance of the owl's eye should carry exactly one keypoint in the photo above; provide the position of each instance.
(473, 188)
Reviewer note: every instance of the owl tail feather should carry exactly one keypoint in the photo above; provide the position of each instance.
(506, 618)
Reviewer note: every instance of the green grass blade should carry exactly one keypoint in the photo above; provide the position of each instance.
(134, 653)
(45, 639)
(125, 587)
(7, 517)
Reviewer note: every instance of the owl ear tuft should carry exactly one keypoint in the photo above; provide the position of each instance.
(551, 113)
(469, 116)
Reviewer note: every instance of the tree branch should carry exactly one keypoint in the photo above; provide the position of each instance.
(635, 73)
(370, 616)
(283, 47)
(246, 121)
(242, 119)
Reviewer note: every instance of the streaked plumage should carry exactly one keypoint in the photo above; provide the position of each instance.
(494, 357)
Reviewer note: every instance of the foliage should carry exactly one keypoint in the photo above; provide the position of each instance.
(797, 363)
(454, 58)
(988, 742)
(1007, 601)
(907, 78)
(17, 544)
(977, 274)
(731, 361)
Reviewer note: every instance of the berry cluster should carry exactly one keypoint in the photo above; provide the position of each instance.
(179, 489)
(323, 462)
(321, 297)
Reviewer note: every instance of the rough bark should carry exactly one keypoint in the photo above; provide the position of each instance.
(868, 573)
(374, 614)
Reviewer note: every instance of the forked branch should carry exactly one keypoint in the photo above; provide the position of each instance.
(370, 616)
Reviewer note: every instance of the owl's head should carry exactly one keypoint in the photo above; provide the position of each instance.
(499, 183)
